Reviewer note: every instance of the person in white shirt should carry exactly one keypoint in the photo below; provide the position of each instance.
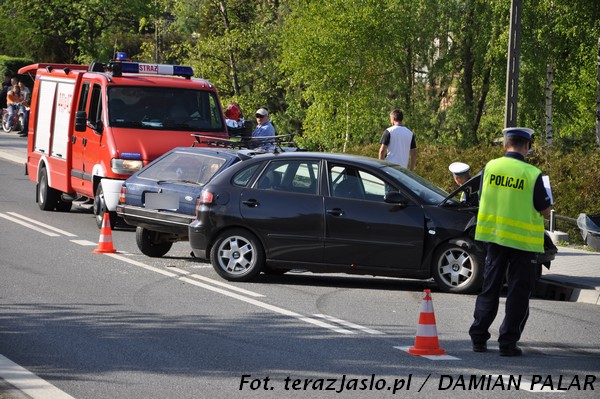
(25, 92)
(398, 144)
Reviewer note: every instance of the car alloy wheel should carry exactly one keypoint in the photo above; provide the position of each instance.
(457, 269)
(237, 255)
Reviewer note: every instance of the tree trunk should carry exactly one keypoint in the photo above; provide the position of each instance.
(549, 92)
(347, 134)
(232, 61)
(598, 97)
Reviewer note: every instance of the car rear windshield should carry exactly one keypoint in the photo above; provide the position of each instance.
(164, 108)
(428, 192)
(183, 167)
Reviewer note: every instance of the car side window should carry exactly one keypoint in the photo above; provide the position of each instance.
(296, 176)
(350, 182)
(374, 187)
(243, 177)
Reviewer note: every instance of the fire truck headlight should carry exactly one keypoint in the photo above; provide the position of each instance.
(125, 166)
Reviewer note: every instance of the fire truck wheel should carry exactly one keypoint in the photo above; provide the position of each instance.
(47, 196)
(151, 243)
(100, 208)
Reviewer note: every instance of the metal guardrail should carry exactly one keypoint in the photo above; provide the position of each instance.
(554, 217)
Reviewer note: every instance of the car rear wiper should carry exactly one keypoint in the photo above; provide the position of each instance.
(178, 181)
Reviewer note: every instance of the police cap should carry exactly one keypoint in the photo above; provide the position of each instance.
(459, 168)
(518, 131)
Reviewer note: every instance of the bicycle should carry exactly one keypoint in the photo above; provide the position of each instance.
(18, 119)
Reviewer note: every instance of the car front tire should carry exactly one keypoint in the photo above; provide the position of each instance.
(458, 269)
(237, 255)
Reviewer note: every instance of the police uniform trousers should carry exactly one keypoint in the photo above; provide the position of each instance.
(521, 266)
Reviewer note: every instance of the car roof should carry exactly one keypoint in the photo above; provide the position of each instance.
(216, 151)
(331, 156)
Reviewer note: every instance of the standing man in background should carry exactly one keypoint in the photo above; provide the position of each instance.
(264, 128)
(512, 206)
(398, 143)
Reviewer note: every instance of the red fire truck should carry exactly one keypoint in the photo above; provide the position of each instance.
(92, 127)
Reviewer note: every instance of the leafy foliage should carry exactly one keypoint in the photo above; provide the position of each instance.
(332, 70)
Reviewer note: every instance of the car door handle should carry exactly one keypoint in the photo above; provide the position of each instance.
(73, 139)
(84, 141)
(335, 212)
(252, 203)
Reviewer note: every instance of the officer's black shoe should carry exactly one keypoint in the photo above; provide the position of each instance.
(479, 346)
(510, 350)
(23, 134)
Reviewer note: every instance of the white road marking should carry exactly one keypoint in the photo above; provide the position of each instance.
(84, 243)
(430, 357)
(29, 383)
(11, 157)
(17, 219)
(263, 305)
(142, 265)
(348, 324)
(66, 233)
(29, 225)
(215, 282)
(251, 301)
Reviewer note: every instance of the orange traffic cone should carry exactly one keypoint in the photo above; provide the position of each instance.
(105, 244)
(426, 341)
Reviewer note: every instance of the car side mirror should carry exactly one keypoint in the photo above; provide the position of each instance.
(80, 121)
(395, 197)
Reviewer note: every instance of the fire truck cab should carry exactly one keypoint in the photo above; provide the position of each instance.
(92, 127)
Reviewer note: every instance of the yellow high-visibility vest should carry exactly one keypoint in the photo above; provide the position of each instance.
(506, 213)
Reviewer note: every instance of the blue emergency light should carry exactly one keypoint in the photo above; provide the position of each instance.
(156, 69)
(131, 155)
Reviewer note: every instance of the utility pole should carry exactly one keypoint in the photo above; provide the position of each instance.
(512, 70)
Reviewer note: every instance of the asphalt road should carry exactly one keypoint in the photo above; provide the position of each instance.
(128, 326)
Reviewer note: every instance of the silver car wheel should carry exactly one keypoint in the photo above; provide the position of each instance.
(455, 267)
(236, 255)
(458, 268)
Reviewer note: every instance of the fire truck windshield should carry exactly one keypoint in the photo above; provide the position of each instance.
(164, 108)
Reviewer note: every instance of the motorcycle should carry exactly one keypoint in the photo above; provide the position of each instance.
(18, 119)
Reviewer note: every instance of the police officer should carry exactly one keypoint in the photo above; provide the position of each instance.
(460, 172)
(513, 204)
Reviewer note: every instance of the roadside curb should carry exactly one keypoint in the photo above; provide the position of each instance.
(558, 291)
(574, 276)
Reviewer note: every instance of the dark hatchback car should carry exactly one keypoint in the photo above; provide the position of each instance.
(160, 199)
(336, 213)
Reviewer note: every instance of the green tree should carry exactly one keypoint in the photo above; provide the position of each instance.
(67, 31)
(232, 43)
(565, 38)
(344, 57)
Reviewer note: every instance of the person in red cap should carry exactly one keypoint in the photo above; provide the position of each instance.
(512, 206)
(233, 116)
